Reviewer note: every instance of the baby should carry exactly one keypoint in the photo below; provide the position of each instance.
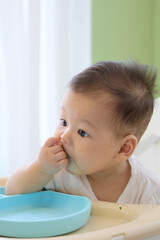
(104, 113)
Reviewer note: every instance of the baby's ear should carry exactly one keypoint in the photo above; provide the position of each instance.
(128, 145)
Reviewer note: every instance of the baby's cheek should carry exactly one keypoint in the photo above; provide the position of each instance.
(88, 162)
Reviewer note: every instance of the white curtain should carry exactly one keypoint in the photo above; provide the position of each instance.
(43, 43)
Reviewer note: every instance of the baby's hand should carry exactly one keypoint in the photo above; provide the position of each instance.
(52, 157)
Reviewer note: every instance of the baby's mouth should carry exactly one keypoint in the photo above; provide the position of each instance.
(72, 167)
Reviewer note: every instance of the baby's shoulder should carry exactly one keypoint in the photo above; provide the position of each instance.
(147, 181)
(143, 173)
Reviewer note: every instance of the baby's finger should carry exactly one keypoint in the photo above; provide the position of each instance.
(62, 163)
(51, 141)
(57, 148)
(61, 155)
(60, 143)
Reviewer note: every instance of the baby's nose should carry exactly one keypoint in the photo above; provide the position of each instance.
(66, 137)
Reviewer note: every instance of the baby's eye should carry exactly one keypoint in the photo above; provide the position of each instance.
(82, 133)
(63, 122)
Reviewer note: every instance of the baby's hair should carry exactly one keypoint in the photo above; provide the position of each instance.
(131, 86)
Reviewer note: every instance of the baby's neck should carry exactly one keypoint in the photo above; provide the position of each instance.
(108, 186)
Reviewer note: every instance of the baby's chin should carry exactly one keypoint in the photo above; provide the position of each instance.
(73, 168)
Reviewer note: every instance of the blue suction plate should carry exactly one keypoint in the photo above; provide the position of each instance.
(42, 214)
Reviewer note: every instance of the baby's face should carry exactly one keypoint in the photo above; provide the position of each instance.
(84, 129)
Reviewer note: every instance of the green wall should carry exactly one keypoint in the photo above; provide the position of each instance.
(126, 29)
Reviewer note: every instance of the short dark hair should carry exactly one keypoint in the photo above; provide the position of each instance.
(132, 87)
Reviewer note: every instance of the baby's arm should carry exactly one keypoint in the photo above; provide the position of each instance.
(34, 177)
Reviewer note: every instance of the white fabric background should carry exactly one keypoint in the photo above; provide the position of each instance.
(43, 43)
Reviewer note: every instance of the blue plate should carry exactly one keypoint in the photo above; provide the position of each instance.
(42, 214)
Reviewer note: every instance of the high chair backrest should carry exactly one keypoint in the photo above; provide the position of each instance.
(148, 149)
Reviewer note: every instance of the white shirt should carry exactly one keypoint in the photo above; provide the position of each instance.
(142, 188)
